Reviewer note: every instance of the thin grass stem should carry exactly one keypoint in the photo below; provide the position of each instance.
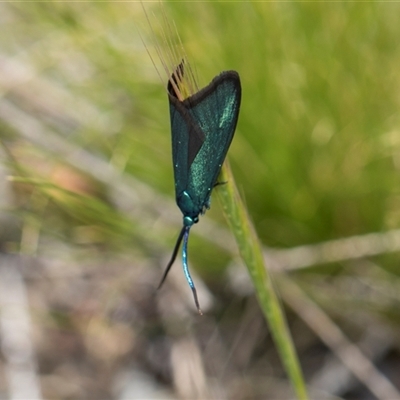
(251, 253)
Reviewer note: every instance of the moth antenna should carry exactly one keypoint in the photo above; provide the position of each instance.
(186, 230)
(173, 257)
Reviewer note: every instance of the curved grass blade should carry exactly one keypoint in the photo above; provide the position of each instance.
(251, 253)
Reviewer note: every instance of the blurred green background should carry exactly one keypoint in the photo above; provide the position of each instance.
(84, 128)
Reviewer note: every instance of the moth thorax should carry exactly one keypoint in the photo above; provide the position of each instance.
(189, 221)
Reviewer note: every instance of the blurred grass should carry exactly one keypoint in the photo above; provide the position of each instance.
(315, 155)
(317, 122)
(312, 143)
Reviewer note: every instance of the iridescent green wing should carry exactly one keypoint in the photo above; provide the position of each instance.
(202, 129)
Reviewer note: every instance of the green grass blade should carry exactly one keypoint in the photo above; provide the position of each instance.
(251, 253)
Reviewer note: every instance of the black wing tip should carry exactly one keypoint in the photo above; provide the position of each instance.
(227, 76)
(230, 74)
(224, 76)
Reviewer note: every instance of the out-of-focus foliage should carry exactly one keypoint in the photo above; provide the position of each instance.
(316, 144)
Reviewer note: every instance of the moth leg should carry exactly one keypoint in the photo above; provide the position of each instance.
(220, 183)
